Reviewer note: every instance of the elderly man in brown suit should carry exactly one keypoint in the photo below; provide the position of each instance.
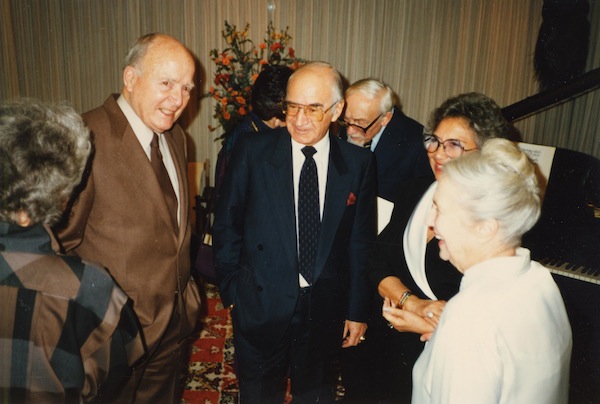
(132, 215)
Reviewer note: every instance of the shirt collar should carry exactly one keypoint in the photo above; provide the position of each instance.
(322, 146)
(376, 138)
(496, 270)
(142, 132)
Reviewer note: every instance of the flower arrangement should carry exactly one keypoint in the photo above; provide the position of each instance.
(238, 65)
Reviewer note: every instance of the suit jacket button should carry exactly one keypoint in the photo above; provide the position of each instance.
(260, 247)
(259, 288)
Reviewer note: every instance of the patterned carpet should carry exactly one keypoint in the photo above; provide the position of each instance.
(212, 379)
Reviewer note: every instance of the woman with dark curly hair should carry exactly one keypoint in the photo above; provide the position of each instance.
(405, 266)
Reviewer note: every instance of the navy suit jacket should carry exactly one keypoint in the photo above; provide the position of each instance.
(254, 238)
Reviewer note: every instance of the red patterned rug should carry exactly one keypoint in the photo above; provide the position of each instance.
(211, 376)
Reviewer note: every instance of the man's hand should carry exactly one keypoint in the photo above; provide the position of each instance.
(353, 333)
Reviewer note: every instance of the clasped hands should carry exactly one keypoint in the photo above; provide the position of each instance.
(418, 315)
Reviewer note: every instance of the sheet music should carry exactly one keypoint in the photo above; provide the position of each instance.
(542, 156)
(384, 213)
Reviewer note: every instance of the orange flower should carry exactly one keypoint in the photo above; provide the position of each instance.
(276, 46)
(237, 68)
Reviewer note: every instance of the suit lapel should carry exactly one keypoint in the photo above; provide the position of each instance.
(133, 157)
(336, 195)
(180, 162)
(278, 178)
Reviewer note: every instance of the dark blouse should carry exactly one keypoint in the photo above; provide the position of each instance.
(443, 279)
(387, 258)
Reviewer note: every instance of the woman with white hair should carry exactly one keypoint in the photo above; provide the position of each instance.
(505, 337)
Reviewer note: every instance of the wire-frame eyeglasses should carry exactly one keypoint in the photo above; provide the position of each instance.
(452, 147)
(314, 112)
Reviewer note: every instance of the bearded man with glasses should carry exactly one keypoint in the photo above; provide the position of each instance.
(294, 221)
(372, 120)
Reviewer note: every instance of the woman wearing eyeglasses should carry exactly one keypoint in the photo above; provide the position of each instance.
(405, 266)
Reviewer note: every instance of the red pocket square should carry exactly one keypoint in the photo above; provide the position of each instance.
(351, 199)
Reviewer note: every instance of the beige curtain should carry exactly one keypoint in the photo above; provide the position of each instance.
(427, 50)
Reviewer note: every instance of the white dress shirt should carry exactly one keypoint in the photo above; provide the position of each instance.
(144, 136)
(321, 158)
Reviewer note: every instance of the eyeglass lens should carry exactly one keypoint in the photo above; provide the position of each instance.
(313, 112)
(452, 147)
(360, 128)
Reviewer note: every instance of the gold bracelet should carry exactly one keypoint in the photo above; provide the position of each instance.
(405, 296)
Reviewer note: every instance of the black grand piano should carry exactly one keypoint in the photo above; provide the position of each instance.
(566, 240)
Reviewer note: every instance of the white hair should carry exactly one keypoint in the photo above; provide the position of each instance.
(498, 183)
(372, 89)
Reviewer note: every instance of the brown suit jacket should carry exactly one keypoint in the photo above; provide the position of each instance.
(121, 221)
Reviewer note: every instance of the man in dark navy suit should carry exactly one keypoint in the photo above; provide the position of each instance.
(291, 315)
(373, 121)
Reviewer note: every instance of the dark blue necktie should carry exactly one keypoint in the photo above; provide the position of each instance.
(309, 217)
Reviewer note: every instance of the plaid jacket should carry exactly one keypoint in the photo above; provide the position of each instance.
(67, 332)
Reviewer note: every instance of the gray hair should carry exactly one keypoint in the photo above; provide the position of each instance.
(372, 89)
(498, 183)
(43, 153)
(138, 50)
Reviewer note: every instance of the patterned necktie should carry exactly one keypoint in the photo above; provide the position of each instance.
(163, 178)
(309, 217)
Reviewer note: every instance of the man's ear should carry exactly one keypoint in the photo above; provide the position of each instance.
(129, 77)
(387, 117)
(338, 109)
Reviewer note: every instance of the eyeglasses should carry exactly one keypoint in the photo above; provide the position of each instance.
(452, 147)
(313, 112)
(359, 128)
